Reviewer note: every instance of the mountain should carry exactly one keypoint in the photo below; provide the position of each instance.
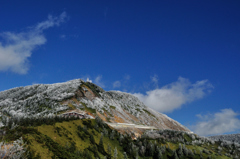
(38, 122)
(54, 99)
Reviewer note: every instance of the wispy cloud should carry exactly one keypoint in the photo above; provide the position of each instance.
(18, 47)
(127, 77)
(174, 95)
(221, 122)
(98, 81)
(155, 80)
(62, 36)
(116, 84)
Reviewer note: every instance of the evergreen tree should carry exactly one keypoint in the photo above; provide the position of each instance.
(4, 120)
(99, 121)
(185, 150)
(115, 153)
(209, 157)
(96, 127)
(104, 132)
(145, 142)
(125, 155)
(190, 153)
(109, 150)
(151, 150)
(85, 128)
(92, 140)
(112, 135)
(175, 155)
(101, 141)
(136, 157)
(180, 151)
(120, 139)
(159, 155)
(142, 151)
(163, 149)
(201, 157)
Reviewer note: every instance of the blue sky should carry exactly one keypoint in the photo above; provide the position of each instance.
(179, 57)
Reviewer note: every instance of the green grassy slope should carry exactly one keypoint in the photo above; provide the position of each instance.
(68, 136)
(81, 139)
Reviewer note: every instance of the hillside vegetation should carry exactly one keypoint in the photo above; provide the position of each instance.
(89, 138)
(227, 137)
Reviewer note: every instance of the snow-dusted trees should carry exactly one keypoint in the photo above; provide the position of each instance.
(175, 155)
(125, 155)
(12, 122)
(115, 153)
(109, 150)
(142, 150)
(112, 135)
(158, 153)
(180, 151)
(150, 149)
(185, 150)
(99, 121)
(105, 132)
(120, 139)
(190, 153)
(13, 150)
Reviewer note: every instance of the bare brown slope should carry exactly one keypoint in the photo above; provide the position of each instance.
(119, 107)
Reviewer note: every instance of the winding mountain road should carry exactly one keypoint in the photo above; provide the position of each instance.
(127, 125)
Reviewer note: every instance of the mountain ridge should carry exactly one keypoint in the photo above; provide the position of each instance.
(54, 99)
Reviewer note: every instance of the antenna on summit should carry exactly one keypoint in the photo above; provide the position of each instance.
(88, 80)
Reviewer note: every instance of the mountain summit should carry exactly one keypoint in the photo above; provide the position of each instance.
(58, 98)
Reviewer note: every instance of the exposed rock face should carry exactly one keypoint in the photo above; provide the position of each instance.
(111, 106)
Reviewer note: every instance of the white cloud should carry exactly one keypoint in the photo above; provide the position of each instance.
(174, 95)
(51, 22)
(221, 122)
(98, 82)
(62, 36)
(116, 84)
(127, 77)
(18, 47)
(154, 79)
